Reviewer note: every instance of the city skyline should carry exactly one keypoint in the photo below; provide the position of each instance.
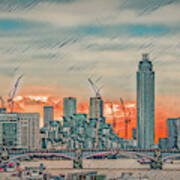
(90, 89)
(160, 128)
(57, 47)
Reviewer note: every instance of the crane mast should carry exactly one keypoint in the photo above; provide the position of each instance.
(97, 125)
(13, 92)
(126, 117)
(114, 119)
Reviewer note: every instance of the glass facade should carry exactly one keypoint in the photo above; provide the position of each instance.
(173, 125)
(163, 143)
(69, 106)
(145, 103)
(96, 108)
(9, 131)
(48, 115)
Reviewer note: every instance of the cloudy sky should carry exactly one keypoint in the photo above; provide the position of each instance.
(58, 44)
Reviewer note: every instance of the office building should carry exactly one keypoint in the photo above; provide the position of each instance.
(134, 137)
(3, 110)
(95, 108)
(20, 130)
(134, 133)
(163, 143)
(173, 125)
(145, 103)
(48, 115)
(69, 106)
(29, 127)
(54, 130)
(9, 130)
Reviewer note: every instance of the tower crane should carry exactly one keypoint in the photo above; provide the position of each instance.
(114, 119)
(95, 88)
(98, 96)
(13, 92)
(127, 119)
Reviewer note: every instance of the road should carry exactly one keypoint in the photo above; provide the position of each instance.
(111, 168)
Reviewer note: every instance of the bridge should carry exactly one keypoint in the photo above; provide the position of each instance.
(156, 156)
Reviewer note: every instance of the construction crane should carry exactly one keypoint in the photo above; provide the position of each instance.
(13, 92)
(94, 87)
(127, 119)
(113, 116)
(98, 96)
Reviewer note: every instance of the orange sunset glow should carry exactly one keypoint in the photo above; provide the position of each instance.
(112, 111)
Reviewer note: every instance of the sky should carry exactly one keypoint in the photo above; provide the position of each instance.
(58, 44)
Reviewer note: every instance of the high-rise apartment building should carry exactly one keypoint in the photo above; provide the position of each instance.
(145, 103)
(69, 106)
(48, 115)
(95, 108)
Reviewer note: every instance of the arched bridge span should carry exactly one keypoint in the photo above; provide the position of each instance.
(109, 153)
(41, 154)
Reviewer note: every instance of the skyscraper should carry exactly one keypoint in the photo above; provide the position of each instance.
(48, 115)
(96, 108)
(69, 106)
(145, 103)
(96, 119)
